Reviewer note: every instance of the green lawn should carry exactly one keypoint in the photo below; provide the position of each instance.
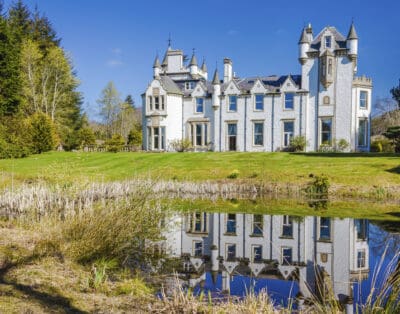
(345, 171)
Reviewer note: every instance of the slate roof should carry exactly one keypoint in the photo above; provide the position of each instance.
(169, 85)
(339, 38)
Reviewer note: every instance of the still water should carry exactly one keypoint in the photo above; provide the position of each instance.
(294, 259)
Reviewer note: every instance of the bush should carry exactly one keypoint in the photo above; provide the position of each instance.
(319, 185)
(341, 145)
(43, 133)
(393, 133)
(297, 144)
(115, 144)
(86, 137)
(234, 174)
(135, 136)
(181, 145)
(382, 146)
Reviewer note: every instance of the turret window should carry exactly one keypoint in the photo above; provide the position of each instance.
(156, 103)
(363, 99)
(328, 41)
(150, 98)
(363, 132)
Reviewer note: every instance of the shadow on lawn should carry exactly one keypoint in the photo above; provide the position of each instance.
(53, 302)
(394, 170)
(344, 155)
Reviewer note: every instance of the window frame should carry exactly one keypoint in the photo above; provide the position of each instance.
(286, 101)
(228, 222)
(284, 133)
(365, 137)
(361, 258)
(365, 101)
(321, 132)
(196, 249)
(323, 227)
(197, 105)
(284, 260)
(287, 222)
(228, 254)
(257, 225)
(328, 39)
(257, 102)
(258, 134)
(256, 257)
(230, 103)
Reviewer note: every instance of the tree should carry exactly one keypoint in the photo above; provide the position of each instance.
(393, 133)
(109, 103)
(10, 83)
(135, 136)
(86, 137)
(395, 91)
(43, 133)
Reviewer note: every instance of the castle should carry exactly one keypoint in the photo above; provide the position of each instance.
(326, 104)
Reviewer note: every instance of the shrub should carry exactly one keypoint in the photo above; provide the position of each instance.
(382, 145)
(43, 133)
(297, 144)
(86, 137)
(181, 145)
(376, 147)
(135, 136)
(319, 185)
(393, 133)
(115, 144)
(234, 174)
(341, 145)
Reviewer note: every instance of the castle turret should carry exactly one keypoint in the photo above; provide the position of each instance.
(156, 67)
(352, 42)
(216, 90)
(193, 65)
(204, 69)
(227, 70)
(309, 33)
(304, 46)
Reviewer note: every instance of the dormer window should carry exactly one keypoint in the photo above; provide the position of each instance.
(328, 42)
(189, 85)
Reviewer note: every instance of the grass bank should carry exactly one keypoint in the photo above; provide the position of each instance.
(366, 175)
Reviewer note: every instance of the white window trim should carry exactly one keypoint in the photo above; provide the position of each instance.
(365, 135)
(320, 130)
(226, 251)
(284, 101)
(229, 103)
(194, 247)
(263, 133)
(366, 99)
(282, 259)
(253, 246)
(255, 102)
(330, 230)
(283, 131)
(195, 105)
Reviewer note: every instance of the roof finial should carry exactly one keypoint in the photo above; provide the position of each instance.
(169, 41)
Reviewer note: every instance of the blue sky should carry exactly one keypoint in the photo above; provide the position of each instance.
(118, 40)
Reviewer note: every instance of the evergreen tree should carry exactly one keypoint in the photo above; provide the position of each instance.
(395, 91)
(43, 133)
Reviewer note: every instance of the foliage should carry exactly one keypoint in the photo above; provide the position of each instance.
(234, 174)
(37, 77)
(43, 134)
(319, 185)
(100, 269)
(115, 144)
(393, 133)
(297, 144)
(86, 137)
(135, 136)
(109, 103)
(341, 145)
(180, 146)
(337, 146)
(395, 91)
(382, 145)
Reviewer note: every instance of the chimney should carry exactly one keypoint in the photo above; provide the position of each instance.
(227, 70)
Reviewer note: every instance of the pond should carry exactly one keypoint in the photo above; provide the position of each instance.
(294, 259)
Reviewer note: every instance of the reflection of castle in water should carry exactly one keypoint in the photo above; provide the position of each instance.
(324, 255)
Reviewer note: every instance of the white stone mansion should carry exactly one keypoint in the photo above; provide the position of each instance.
(325, 104)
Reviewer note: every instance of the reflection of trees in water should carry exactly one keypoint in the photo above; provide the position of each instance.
(384, 234)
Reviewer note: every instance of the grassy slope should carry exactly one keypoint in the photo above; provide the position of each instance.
(356, 170)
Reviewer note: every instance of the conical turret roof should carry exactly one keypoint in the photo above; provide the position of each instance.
(156, 63)
(304, 38)
(215, 80)
(193, 61)
(352, 32)
(203, 66)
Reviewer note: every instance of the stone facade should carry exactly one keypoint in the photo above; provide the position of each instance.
(326, 103)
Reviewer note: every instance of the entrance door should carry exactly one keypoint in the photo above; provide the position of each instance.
(232, 135)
